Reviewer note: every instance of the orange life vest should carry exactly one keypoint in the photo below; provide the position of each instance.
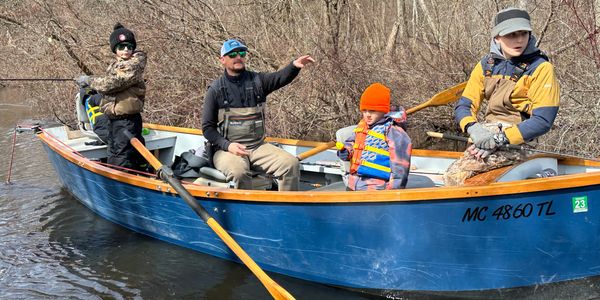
(371, 156)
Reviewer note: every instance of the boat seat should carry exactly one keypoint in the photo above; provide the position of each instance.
(213, 177)
(419, 181)
(83, 122)
(530, 169)
(414, 181)
(341, 135)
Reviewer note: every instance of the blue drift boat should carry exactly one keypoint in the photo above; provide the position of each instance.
(503, 233)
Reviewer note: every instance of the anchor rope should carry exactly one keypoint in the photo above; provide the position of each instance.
(12, 155)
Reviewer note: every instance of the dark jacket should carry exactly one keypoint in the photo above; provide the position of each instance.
(236, 95)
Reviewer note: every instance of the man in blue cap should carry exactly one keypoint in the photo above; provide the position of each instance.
(233, 119)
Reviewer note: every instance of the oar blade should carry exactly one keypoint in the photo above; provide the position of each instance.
(276, 291)
(444, 97)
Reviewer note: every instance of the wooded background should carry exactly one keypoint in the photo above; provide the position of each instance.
(416, 47)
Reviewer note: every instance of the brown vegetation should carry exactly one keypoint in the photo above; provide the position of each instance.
(416, 47)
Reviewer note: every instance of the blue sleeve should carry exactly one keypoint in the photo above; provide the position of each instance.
(400, 147)
(540, 122)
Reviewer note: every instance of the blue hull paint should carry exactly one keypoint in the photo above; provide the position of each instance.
(413, 246)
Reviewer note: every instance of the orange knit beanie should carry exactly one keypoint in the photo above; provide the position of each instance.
(376, 97)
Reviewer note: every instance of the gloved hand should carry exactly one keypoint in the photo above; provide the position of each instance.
(83, 81)
(498, 140)
(481, 137)
(342, 152)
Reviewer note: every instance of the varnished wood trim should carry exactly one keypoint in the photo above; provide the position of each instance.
(424, 194)
(436, 153)
(487, 177)
(173, 129)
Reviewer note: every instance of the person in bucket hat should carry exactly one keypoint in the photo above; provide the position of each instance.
(518, 83)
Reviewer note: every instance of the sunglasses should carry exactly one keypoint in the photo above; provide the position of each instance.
(124, 46)
(234, 54)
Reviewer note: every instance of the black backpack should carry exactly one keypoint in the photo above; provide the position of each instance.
(188, 164)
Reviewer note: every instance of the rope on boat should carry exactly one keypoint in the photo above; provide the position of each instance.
(125, 169)
(97, 162)
(12, 155)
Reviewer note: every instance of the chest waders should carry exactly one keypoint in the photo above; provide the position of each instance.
(498, 91)
(244, 125)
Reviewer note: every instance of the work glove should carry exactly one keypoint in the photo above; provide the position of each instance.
(83, 81)
(497, 140)
(481, 137)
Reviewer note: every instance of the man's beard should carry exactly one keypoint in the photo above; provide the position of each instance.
(239, 71)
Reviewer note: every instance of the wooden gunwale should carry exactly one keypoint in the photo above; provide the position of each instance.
(423, 194)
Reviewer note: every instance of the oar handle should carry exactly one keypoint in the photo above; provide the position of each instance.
(315, 150)
(511, 146)
(276, 291)
(464, 139)
(155, 163)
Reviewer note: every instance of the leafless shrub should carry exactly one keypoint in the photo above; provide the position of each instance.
(417, 47)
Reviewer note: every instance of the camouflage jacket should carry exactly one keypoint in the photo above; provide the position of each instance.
(123, 86)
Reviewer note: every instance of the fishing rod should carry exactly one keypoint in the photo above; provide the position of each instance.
(509, 146)
(37, 79)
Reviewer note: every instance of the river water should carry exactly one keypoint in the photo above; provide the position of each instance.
(52, 247)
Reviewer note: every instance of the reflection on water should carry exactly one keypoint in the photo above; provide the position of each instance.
(52, 247)
(12, 107)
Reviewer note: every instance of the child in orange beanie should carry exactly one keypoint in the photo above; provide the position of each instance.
(379, 149)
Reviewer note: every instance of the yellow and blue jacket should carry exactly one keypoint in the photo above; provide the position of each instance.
(536, 93)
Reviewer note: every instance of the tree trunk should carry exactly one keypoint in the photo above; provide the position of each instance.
(391, 40)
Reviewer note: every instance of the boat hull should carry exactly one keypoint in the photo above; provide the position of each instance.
(463, 244)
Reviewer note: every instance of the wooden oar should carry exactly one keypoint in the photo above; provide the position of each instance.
(167, 174)
(315, 150)
(442, 98)
(509, 146)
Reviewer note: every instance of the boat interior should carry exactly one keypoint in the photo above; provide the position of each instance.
(323, 171)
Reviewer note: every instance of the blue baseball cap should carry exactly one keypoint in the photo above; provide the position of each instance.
(231, 45)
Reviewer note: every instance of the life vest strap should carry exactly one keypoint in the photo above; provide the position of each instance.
(375, 166)
(377, 150)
